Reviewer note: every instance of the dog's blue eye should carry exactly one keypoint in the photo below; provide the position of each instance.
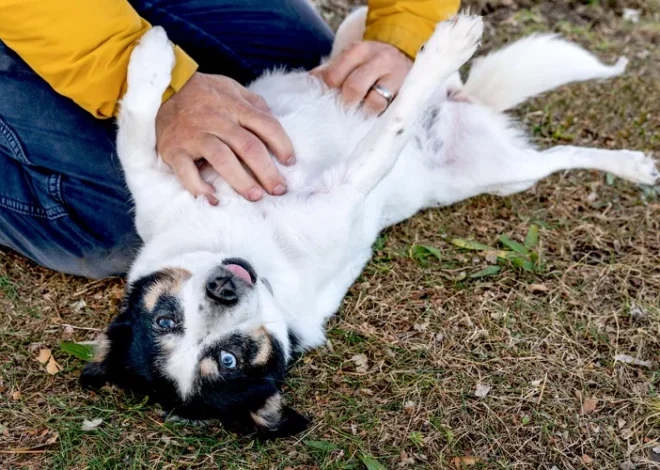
(228, 360)
(166, 323)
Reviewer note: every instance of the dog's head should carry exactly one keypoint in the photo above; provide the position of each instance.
(206, 343)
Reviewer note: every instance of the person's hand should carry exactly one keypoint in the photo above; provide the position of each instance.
(361, 66)
(214, 118)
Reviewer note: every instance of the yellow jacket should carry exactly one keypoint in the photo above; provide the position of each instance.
(82, 47)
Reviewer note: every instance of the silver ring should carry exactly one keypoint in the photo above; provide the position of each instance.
(384, 92)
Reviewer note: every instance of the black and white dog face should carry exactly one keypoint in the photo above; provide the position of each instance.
(200, 343)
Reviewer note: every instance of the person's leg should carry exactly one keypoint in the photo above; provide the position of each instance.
(243, 38)
(63, 202)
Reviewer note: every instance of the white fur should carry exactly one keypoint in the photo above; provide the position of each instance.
(354, 176)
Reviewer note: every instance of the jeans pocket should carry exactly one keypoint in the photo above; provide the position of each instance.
(25, 188)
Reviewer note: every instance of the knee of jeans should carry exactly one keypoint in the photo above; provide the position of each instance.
(93, 262)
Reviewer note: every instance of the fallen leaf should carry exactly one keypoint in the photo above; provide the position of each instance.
(536, 383)
(589, 405)
(44, 355)
(361, 363)
(16, 395)
(587, 460)
(637, 313)
(538, 288)
(53, 367)
(52, 439)
(78, 306)
(491, 257)
(626, 359)
(409, 406)
(482, 390)
(88, 425)
(461, 462)
(632, 15)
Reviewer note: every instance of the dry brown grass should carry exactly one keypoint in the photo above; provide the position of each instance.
(557, 397)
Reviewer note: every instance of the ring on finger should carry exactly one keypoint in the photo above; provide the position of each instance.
(384, 92)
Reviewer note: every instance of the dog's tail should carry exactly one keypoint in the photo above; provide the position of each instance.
(531, 66)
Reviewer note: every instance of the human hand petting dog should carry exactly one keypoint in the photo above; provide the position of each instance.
(362, 65)
(215, 118)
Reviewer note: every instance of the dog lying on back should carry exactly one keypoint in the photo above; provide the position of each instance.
(220, 299)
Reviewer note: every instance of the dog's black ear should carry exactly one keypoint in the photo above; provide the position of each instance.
(291, 423)
(94, 375)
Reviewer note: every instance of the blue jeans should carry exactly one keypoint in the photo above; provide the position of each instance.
(63, 200)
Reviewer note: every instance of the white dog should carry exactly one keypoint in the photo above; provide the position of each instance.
(221, 298)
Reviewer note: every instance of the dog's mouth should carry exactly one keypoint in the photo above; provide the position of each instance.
(241, 269)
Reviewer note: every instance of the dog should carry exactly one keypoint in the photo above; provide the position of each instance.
(221, 298)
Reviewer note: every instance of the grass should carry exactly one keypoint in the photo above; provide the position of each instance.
(542, 340)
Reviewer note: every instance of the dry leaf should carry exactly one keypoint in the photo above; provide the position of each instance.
(44, 355)
(482, 390)
(409, 406)
(361, 363)
(589, 405)
(52, 439)
(78, 306)
(587, 460)
(53, 367)
(16, 395)
(462, 462)
(626, 359)
(491, 257)
(536, 383)
(637, 313)
(538, 288)
(88, 425)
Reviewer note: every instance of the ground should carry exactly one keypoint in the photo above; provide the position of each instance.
(425, 366)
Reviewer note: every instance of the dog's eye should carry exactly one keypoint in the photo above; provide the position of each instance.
(166, 322)
(228, 360)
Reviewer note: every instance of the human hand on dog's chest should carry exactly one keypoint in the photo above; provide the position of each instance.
(214, 118)
(361, 66)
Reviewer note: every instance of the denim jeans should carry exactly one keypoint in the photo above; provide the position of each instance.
(63, 200)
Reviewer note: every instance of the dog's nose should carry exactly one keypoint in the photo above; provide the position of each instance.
(222, 289)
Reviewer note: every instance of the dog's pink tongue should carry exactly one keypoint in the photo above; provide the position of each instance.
(240, 272)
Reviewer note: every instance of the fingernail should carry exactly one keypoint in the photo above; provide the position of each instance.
(212, 200)
(279, 190)
(255, 194)
(291, 160)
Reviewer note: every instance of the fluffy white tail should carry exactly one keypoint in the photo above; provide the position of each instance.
(531, 66)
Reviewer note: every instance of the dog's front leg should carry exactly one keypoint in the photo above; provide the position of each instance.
(451, 45)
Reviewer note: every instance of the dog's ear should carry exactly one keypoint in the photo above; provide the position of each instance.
(291, 423)
(94, 375)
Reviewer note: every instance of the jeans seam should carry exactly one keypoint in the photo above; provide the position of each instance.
(14, 143)
(29, 209)
(55, 187)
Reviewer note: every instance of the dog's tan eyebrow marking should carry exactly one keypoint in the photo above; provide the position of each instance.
(208, 367)
(262, 338)
(169, 283)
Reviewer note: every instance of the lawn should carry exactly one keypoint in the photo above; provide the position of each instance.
(441, 356)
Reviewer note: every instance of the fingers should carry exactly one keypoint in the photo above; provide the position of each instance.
(185, 169)
(377, 103)
(251, 150)
(223, 160)
(356, 87)
(256, 101)
(270, 131)
(337, 71)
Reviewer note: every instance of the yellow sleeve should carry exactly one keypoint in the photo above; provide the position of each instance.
(81, 47)
(406, 24)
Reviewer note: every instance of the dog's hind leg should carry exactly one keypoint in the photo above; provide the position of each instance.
(451, 45)
(629, 165)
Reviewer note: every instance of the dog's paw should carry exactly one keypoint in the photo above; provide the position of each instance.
(641, 168)
(456, 39)
(150, 68)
